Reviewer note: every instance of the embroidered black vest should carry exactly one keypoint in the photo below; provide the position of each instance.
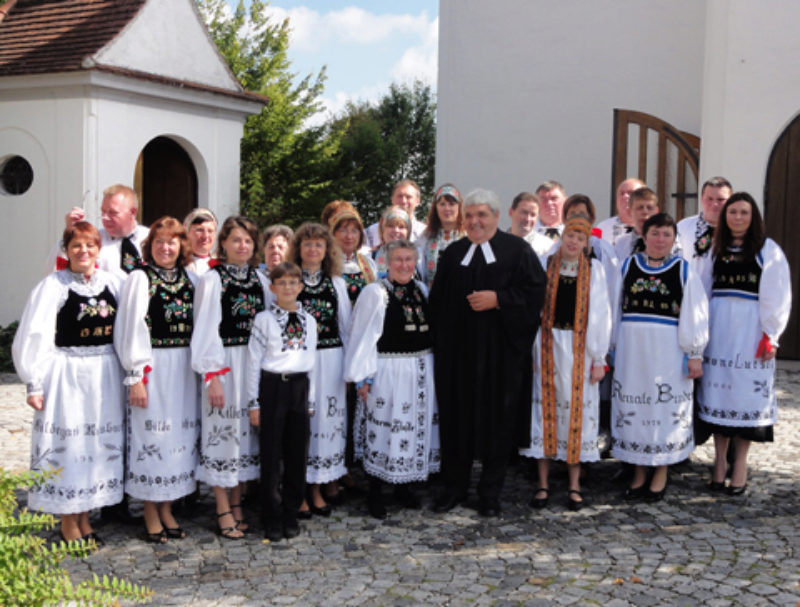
(405, 326)
(355, 283)
(736, 275)
(86, 320)
(565, 302)
(170, 313)
(321, 302)
(654, 291)
(241, 301)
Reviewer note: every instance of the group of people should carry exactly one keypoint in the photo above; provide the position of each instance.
(155, 360)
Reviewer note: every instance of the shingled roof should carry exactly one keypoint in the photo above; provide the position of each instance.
(47, 36)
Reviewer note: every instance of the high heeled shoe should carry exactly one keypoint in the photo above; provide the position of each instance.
(634, 494)
(540, 502)
(572, 504)
(655, 496)
(736, 491)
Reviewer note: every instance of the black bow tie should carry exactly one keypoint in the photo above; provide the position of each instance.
(552, 233)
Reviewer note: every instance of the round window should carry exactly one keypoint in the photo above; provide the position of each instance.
(16, 175)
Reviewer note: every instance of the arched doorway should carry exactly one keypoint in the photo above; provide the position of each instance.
(165, 180)
(782, 216)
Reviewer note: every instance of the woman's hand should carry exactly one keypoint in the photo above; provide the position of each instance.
(216, 395)
(36, 401)
(598, 373)
(695, 368)
(363, 391)
(255, 417)
(137, 395)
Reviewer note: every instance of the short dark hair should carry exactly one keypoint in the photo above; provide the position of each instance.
(643, 193)
(285, 268)
(583, 199)
(550, 184)
(716, 182)
(660, 220)
(524, 197)
(756, 233)
(173, 229)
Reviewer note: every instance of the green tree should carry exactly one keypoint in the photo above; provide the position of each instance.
(285, 166)
(385, 142)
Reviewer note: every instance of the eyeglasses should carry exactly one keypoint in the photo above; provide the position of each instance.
(286, 283)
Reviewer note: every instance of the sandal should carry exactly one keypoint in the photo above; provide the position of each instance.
(159, 537)
(175, 533)
(572, 504)
(229, 532)
(240, 524)
(540, 502)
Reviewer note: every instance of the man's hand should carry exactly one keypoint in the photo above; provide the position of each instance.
(695, 368)
(255, 417)
(363, 391)
(481, 301)
(36, 401)
(75, 215)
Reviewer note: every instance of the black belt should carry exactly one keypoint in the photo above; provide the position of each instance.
(285, 377)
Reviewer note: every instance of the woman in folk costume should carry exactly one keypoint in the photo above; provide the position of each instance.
(751, 299)
(201, 230)
(358, 271)
(390, 357)
(345, 224)
(660, 329)
(324, 296)
(394, 224)
(227, 300)
(570, 353)
(154, 331)
(63, 350)
(445, 226)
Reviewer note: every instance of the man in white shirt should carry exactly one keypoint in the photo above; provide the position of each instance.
(406, 195)
(524, 212)
(622, 223)
(696, 233)
(551, 204)
(121, 235)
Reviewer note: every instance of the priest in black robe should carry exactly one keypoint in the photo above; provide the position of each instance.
(485, 304)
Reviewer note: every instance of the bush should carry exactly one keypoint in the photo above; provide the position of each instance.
(30, 569)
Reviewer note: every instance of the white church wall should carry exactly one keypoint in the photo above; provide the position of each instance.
(752, 87)
(527, 88)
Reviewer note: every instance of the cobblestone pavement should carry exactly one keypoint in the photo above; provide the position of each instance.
(692, 548)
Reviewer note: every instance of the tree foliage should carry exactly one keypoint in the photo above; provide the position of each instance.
(30, 567)
(289, 170)
(284, 165)
(384, 143)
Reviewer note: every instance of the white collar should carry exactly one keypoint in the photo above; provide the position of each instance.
(488, 254)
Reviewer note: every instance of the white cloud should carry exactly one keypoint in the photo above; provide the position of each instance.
(420, 62)
(311, 30)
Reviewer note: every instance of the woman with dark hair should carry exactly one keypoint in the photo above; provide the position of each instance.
(345, 224)
(324, 296)
(275, 241)
(751, 299)
(660, 328)
(154, 331)
(390, 357)
(445, 226)
(227, 300)
(570, 352)
(63, 350)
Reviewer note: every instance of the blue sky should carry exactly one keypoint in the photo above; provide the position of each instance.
(365, 44)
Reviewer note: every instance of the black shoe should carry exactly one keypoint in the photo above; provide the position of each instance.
(737, 491)
(321, 511)
(716, 487)
(447, 501)
(93, 536)
(540, 502)
(304, 515)
(406, 497)
(572, 504)
(376, 508)
(121, 514)
(635, 494)
(489, 507)
(291, 529)
(655, 496)
(274, 532)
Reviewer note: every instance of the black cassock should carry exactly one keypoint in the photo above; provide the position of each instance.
(483, 360)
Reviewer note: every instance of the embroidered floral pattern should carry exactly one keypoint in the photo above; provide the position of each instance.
(651, 284)
(94, 308)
